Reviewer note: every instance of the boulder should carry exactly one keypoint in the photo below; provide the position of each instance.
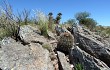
(94, 47)
(30, 34)
(64, 65)
(87, 61)
(51, 35)
(108, 39)
(16, 56)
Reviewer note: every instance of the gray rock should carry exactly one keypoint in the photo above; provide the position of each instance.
(0, 43)
(94, 47)
(16, 56)
(108, 39)
(51, 35)
(62, 59)
(88, 62)
(30, 34)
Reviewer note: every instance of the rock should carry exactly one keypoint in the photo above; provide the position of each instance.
(51, 35)
(88, 62)
(47, 46)
(63, 62)
(93, 46)
(0, 44)
(58, 30)
(108, 39)
(54, 60)
(53, 56)
(30, 34)
(16, 56)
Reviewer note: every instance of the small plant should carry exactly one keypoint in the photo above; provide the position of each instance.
(47, 46)
(42, 23)
(65, 42)
(2, 33)
(79, 67)
(44, 29)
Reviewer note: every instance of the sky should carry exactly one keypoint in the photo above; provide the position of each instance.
(99, 9)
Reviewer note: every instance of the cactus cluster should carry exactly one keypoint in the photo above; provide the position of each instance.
(65, 42)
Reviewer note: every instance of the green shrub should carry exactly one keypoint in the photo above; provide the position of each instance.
(42, 22)
(8, 24)
(79, 67)
(2, 33)
(44, 29)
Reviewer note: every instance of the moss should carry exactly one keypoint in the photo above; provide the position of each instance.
(47, 46)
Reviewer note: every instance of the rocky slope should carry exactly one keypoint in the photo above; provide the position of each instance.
(35, 52)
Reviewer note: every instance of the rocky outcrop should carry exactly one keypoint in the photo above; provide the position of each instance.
(108, 39)
(16, 56)
(64, 65)
(88, 62)
(30, 34)
(35, 52)
(89, 43)
(51, 35)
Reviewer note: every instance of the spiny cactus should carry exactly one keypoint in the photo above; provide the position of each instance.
(65, 42)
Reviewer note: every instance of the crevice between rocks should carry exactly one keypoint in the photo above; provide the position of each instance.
(59, 63)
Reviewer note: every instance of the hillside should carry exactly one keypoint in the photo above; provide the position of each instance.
(42, 42)
(35, 52)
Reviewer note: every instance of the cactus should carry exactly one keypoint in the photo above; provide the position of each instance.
(65, 42)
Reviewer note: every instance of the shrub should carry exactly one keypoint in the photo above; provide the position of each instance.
(42, 22)
(79, 67)
(7, 23)
(84, 19)
(2, 33)
(23, 18)
(44, 29)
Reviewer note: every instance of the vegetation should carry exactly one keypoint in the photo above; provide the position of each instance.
(42, 21)
(69, 23)
(65, 42)
(10, 23)
(58, 18)
(103, 31)
(79, 67)
(84, 19)
(89, 22)
(50, 20)
(47, 46)
(81, 15)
